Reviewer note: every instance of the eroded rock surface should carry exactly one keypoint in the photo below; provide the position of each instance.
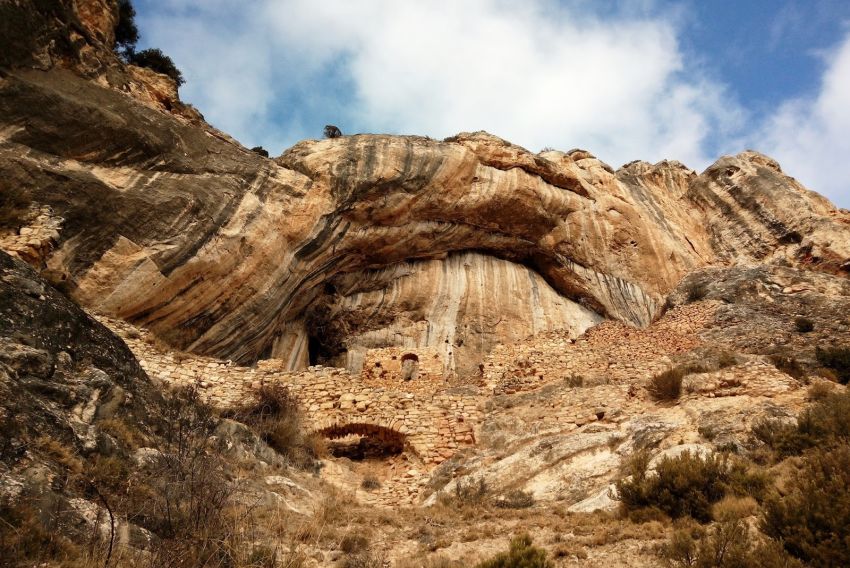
(345, 245)
(567, 414)
(444, 312)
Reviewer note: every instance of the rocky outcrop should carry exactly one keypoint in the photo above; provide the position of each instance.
(754, 214)
(501, 315)
(568, 413)
(78, 36)
(81, 423)
(345, 245)
(62, 377)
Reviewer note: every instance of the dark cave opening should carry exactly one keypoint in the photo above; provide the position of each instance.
(321, 347)
(326, 332)
(314, 349)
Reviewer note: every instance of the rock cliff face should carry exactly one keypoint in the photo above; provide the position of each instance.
(143, 212)
(502, 315)
(462, 305)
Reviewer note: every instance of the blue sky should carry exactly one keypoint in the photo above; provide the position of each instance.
(645, 79)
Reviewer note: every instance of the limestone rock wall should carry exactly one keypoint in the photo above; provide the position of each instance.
(757, 214)
(461, 307)
(364, 242)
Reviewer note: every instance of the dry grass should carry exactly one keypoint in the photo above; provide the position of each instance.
(59, 453)
(574, 381)
(275, 416)
(126, 435)
(667, 386)
(686, 485)
(820, 391)
(515, 499)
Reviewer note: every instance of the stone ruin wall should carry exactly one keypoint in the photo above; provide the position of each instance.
(434, 423)
(418, 367)
(436, 420)
(616, 361)
(609, 353)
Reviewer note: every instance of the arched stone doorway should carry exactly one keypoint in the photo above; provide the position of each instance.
(360, 441)
(409, 366)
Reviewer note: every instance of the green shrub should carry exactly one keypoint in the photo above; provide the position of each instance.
(521, 554)
(667, 385)
(804, 325)
(837, 359)
(687, 484)
(820, 391)
(370, 483)
(778, 435)
(126, 38)
(707, 431)
(332, 131)
(126, 31)
(156, 60)
(825, 423)
(727, 544)
(812, 520)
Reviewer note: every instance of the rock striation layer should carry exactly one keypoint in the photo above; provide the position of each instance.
(141, 211)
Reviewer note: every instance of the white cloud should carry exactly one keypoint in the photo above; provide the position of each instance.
(810, 136)
(538, 73)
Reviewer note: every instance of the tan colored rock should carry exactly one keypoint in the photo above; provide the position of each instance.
(412, 244)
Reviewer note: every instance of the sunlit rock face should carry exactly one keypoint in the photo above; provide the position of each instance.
(141, 210)
(462, 305)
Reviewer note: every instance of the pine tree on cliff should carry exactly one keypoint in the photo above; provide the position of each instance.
(126, 31)
(126, 38)
(332, 131)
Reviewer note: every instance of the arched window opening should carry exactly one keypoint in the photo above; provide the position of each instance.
(409, 366)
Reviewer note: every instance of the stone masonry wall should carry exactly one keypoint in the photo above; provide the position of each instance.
(419, 368)
(609, 353)
(549, 383)
(434, 423)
